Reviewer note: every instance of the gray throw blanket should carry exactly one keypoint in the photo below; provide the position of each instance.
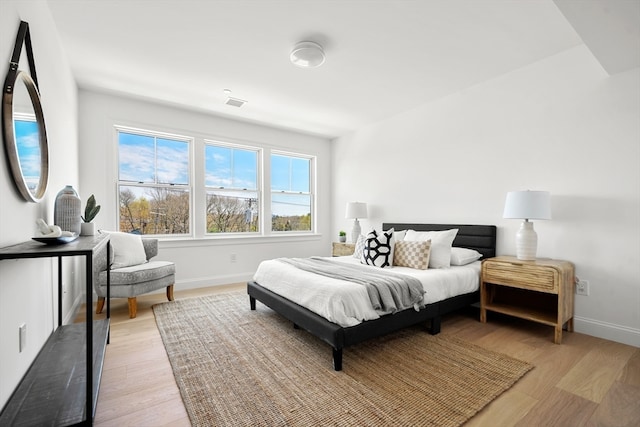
(388, 291)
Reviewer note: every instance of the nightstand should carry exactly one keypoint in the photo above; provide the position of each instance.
(541, 290)
(342, 249)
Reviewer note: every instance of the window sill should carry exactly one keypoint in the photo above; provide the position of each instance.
(182, 242)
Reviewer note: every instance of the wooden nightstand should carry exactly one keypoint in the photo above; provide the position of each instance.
(342, 249)
(540, 290)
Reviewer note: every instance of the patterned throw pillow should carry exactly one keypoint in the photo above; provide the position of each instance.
(412, 254)
(378, 249)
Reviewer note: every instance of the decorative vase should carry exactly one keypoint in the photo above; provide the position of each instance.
(67, 210)
(87, 229)
(342, 239)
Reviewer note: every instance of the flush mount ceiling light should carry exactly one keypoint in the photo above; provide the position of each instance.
(307, 55)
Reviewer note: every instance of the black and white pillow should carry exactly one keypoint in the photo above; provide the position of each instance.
(378, 249)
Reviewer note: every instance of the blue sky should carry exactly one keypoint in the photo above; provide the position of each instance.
(139, 159)
(290, 174)
(231, 168)
(237, 168)
(28, 144)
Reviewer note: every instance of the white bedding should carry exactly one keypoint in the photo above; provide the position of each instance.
(347, 303)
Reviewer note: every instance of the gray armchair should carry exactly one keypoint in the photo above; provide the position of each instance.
(129, 282)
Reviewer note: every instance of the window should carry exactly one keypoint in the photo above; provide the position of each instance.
(28, 147)
(153, 183)
(233, 194)
(291, 196)
(231, 181)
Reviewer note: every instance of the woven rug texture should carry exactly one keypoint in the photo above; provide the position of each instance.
(237, 367)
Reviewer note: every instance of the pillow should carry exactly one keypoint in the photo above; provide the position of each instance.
(399, 235)
(357, 253)
(464, 256)
(127, 249)
(412, 254)
(378, 249)
(441, 242)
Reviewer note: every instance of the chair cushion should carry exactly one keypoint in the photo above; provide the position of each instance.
(127, 249)
(152, 270)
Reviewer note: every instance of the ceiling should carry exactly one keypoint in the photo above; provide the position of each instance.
(383, 56)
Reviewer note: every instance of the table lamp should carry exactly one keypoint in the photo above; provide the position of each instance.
(356, 210)
(527, 205)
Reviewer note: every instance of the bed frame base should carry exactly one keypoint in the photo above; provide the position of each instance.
(339, 337)
(479, 237)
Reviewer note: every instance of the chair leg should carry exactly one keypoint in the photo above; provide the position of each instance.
(170, 292)
(133, 308)
(99, 305)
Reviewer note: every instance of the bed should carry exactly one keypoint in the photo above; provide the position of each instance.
(481, 238)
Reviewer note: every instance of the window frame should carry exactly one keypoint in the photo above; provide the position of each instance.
(190, 141)
(312, 191)
(258, 190)
(197, 188)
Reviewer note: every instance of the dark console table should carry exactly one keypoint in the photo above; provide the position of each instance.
(61, 385)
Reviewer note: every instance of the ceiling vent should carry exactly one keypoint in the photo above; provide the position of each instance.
(235, 102)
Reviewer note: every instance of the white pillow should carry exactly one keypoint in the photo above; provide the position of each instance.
(378, 249)
(127, 249)
(399, 235)
(441, 242)
(464, 256)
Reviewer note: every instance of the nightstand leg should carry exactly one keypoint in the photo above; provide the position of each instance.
(570, 325)
(558, 336)
(483, 302)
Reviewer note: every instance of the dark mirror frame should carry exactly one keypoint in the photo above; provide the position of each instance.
(16, 76)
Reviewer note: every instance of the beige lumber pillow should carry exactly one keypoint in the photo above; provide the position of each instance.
(412, 254)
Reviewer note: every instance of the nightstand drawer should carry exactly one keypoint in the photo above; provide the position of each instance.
(532, 277)
(342, 249)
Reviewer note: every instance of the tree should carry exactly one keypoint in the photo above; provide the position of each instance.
(134, 213)
(166, 211)
(230, 214)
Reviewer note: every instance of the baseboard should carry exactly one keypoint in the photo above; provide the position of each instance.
(608, 331)
(203, 282)
(183, 285)
(74, 310)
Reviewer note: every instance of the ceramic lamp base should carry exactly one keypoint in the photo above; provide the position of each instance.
(526, 242)
(355, 231)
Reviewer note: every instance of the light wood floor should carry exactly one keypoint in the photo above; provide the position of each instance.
(585, 381)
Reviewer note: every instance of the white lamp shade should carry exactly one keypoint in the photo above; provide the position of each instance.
(356, 210)
(528, 205)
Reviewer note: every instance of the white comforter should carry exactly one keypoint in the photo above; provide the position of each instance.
(347, 303)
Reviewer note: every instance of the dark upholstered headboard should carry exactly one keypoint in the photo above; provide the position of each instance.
(482, 238)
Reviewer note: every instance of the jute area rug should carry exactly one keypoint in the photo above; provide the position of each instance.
(237, 367)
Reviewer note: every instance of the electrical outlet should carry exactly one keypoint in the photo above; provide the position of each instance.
(22, 337)
(233, 258)
(582, 287)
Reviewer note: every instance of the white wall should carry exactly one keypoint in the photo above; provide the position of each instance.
(560, 125)
(200, 262)
(28, 288)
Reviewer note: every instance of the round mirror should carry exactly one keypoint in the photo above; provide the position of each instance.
(25, 136)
